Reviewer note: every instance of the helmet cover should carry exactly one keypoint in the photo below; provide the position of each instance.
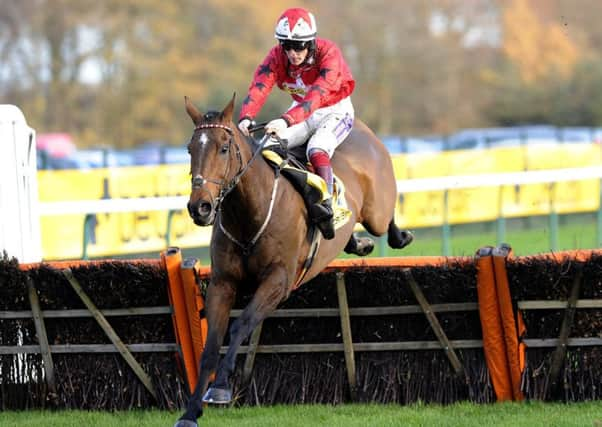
(296, 24)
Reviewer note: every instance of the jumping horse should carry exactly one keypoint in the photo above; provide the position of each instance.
(261, 233)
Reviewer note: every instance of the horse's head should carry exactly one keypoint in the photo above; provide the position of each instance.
(215, 160)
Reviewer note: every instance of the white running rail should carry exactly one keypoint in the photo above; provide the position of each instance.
(403, 186)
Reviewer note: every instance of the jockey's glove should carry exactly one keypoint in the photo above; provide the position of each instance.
(276, 126)
(243, 125)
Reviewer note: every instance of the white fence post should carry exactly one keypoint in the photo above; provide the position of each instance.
(19, 214)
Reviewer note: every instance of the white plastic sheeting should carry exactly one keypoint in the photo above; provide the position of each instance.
(19, 215)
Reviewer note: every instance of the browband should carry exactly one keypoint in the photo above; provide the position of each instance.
(214, 125)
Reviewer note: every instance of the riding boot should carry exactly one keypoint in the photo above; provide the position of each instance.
(322, 214)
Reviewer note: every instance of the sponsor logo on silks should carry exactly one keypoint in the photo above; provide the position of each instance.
(298, 88)
(293, 90)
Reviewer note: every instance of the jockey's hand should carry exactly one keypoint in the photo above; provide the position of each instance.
(243, 125)
(276, 127)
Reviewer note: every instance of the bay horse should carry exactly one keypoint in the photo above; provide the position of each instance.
(261, 233)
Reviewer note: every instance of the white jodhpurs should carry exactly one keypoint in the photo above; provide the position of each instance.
(326, 128)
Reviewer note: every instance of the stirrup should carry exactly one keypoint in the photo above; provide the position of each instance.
(322, 215)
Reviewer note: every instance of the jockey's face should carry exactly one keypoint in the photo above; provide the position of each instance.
(296, 57)
(296, 50)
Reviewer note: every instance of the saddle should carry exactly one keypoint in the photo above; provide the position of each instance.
(310, 186)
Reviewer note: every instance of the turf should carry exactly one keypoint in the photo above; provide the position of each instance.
(528, 414)
(527, 236)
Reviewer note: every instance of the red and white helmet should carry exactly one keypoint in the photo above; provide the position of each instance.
(296, 24)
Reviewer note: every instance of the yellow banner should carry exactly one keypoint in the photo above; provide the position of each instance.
(117, 233)
(486, 204)
(137, 232)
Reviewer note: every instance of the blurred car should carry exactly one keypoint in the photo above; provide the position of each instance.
(105, 157)
(57, 151)
(46, 161)
(55, 145)
(398, 144)
(521, 135)
(176, 155)
(149, 153)
(158, 153)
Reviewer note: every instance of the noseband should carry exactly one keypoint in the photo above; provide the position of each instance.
(198, 182)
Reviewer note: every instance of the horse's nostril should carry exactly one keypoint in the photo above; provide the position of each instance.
(205, 208)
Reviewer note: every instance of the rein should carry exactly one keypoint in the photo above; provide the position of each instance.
(246, 248)
(225, 188)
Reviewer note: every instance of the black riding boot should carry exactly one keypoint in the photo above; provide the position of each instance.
(322, 215)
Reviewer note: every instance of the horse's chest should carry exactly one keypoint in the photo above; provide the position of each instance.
(243, 268)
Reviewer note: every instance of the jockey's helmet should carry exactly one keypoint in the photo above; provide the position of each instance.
(296, 24)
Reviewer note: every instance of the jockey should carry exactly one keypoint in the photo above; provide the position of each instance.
(313, 71)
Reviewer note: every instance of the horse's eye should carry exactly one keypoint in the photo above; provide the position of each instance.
(225, 148)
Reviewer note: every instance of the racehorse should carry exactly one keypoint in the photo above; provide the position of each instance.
(261, 233)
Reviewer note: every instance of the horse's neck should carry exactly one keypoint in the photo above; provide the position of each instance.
(247, 205)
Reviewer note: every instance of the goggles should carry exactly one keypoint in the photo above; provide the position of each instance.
(295, 45)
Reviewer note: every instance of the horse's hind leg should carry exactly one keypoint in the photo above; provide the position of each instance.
(219, 302)
(267, 297)
(397, 238)
(361, 246)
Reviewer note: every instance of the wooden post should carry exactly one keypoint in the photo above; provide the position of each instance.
(38, 321)
(551, 383)
(346, 332)
(108, 329)
(445, 344)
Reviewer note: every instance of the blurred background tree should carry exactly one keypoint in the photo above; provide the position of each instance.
(114, 73)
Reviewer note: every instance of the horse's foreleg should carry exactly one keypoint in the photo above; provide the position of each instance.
(267, 297)
(220, 299)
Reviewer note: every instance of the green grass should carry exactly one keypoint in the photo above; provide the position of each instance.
(528, 414)
(527, 236)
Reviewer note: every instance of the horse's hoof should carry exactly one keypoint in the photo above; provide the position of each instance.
(217, 396)
(185, 423)
(401, 239)
(360, 246)
(365, 245)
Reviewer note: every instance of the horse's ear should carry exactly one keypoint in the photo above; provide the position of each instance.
(227, 113)
(192, 111)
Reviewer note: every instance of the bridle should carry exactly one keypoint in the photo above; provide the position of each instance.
(198, 182)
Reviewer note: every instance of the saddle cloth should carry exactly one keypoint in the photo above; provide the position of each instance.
(311, 186)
